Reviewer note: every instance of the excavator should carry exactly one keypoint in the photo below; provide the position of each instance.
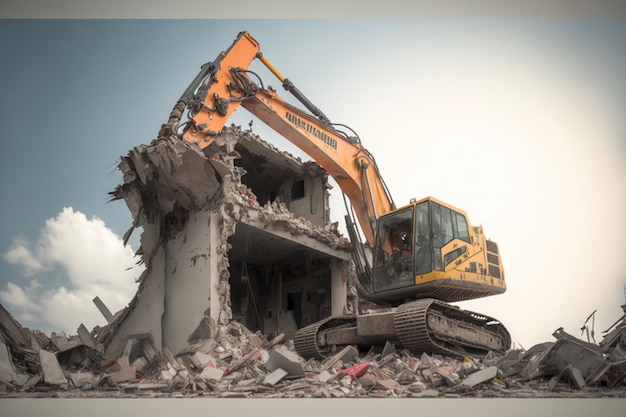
(416, 259)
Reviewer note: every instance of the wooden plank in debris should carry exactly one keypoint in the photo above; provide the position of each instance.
(347, 354)
(254, 354)
(275, 341)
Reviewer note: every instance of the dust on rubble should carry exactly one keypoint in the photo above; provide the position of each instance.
(236, 362)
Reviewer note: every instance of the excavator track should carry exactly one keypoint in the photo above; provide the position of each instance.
(427, 325)
(306, 339)
(433, 326)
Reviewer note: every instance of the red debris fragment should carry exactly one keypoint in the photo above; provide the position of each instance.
(356, 371)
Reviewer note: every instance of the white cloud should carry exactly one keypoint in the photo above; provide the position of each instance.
(20, 254)
(16, 296)
(91, 261)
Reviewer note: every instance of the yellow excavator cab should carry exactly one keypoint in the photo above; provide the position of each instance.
(429, 249)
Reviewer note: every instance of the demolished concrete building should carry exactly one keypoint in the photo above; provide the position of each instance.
(239, 252)
(243, 235)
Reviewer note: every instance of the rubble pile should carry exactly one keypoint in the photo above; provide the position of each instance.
(236, 362)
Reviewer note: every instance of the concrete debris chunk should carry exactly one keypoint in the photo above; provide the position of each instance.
(324, 376)
(386, 384)
(80, 379)
(576, 376)
(50, 368)
(448, 374)
(388, 349)
(211, 374)
(7, 372)
(347, 354)
(481, 376)
(13, 334)
(275, 376)
(125, 374)
(287, 360)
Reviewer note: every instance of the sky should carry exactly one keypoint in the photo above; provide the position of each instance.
(518, 122)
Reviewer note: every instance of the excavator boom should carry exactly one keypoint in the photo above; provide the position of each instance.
(229, 85)
(424, 254)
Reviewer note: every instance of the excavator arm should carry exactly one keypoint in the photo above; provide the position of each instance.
(441, 259)
(346, 160)
(226, 83)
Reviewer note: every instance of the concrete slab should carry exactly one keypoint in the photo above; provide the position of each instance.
(50, 368)
(6, 373)
(448, 374)
(367, 381)
(287, 360)
(31, 382)
(388, 349)
(81, 378)
(15, 334)
(324, 376)
(584, 357)
(275, 376)
(104, 310)
(211, 374)
(126, 374)
(576, 377)
(481, 376)
(200, 359)
(388, 384)
(85, 336)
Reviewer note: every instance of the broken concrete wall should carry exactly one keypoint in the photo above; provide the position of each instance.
(147, 308)
(279, 177)
(213, 251)
(188, 279)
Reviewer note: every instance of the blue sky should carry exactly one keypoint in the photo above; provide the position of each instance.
(518, 122)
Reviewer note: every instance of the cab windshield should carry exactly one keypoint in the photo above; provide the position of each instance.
(409, 242)
(394, 251)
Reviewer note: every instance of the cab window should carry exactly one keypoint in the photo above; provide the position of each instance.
(394, 251)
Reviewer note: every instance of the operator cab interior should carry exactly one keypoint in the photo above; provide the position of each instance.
(409, 242)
